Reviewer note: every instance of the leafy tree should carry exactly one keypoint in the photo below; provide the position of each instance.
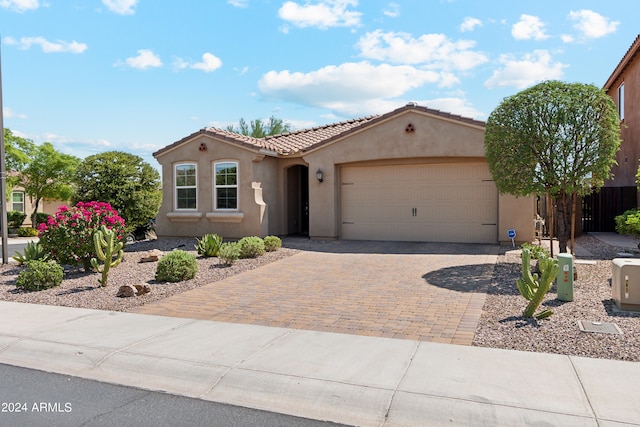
(47, 175)
(259, 129)
(17, 151)
(124, 180)
(554, 138)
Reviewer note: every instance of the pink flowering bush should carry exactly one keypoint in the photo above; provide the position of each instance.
(68, 235)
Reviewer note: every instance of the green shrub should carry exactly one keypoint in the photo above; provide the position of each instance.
(536, 251)
(176, 266)
(272, 243)
(251, 247)
(209, 245)
(628, 223)
(27, 232)
(39, 275)
(32, 252)
(41, 218)
(229, 253)
(15, 219)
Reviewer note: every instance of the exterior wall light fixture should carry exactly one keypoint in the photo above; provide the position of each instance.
(319, 175)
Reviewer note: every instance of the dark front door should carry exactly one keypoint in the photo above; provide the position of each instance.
(298, 200)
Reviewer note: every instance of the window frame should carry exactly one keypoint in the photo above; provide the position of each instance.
(13, 202)
(235, 186)
(177, 187)
(621, 101)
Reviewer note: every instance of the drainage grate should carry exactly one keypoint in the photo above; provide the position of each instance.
(599, 327)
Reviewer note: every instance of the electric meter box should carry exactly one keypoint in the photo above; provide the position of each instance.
(625, 283)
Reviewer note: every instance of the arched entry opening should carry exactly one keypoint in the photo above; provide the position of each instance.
(298, 200)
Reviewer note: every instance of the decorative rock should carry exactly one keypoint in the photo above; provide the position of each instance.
(142, 289)
(126, 291)
(151, 256)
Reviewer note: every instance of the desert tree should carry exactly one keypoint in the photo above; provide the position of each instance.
(259, 129)
(48, 174)
(555, 139)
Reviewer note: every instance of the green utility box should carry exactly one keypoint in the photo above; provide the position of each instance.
(565, 277)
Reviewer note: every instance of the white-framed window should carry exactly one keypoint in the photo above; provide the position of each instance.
(621, 101)
(17, 201)
(186, 185)
(226, 185)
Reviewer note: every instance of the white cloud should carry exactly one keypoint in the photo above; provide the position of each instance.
(592, 25)
(435, 51)
(567, 38)
(209, 63)
(239, 3)
(20, 5)
(460, 106)
(121, 7)
(323, 14)
(392, 10)
(529, 27)
(10, 114)
(59, 46)
(469, 24)
(145, 59)
(531, 68)
(342, 87)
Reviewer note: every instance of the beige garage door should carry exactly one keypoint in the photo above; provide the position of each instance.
(456, 202)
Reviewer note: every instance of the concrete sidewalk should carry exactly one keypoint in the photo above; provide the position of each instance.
(349, 379)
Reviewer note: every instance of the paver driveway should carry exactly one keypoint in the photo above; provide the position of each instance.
(419, 291)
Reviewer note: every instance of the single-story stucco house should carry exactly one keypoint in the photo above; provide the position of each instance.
(414, 174)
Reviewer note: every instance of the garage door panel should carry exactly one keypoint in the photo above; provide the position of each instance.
(443, 203)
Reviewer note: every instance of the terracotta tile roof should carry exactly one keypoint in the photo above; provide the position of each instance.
(627, 59)
(306, 139)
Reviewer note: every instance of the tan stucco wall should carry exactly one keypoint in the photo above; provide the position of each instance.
(516, 213)
(435, 139)
(259, 182)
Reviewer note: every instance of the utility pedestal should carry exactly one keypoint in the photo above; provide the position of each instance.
(565, 277)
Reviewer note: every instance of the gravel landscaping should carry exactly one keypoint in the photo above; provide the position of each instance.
(501, 325)
(81, 289)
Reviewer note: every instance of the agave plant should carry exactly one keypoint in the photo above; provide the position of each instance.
(209, 245)
(32, 252)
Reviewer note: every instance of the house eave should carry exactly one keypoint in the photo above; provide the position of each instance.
(627, 59)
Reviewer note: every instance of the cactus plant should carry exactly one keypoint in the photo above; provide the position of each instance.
(107, 246)
(534, 287)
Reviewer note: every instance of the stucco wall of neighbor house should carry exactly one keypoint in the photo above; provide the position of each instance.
(628, 157)
(433, 139)
(254, 172)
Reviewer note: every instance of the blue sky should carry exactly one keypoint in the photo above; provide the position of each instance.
(136, 75)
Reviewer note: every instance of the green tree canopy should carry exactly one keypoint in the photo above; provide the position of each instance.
(554, 138)
(47, 175)
(126, 181)
(17, 151)
(259, 129)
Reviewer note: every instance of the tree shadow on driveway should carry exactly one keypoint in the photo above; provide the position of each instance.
(462, 278)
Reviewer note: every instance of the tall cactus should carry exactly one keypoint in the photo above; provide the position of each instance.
(107, 247)
(533, 289)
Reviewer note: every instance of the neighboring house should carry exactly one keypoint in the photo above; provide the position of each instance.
(19, 201)
(414, 174)
(620, 192)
